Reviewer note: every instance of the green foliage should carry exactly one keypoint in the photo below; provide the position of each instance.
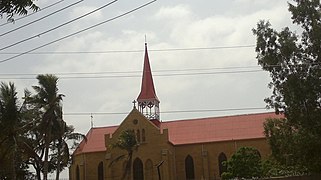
(34, 132)
(127, 142)
(245, 163)
(13, 157)
(294, 63)
(12, 7)
(272, 168)
(51, 125)
(283, 140)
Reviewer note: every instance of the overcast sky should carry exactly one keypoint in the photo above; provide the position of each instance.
(211, 78)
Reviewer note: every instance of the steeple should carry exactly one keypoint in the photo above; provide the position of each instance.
(148, 103)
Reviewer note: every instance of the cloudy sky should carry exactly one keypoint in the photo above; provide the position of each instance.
(202, 55)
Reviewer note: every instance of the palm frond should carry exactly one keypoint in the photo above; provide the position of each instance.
(117, 159)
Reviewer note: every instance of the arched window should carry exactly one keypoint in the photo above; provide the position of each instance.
(101, 171)
(221, 167)
(189, 168)
(138, 169)
(77, 173)
(138, 135)
(149, 169)
(143, 135)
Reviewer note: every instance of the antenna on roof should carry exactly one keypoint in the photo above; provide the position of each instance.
(91, 120)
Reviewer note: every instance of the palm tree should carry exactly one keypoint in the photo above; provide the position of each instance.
(9, 113)
(49, 103)
(12, 132)
(65, 134)
(127, 142)
(34, 142)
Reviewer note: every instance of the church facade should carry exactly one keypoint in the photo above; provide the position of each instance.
(172, 150)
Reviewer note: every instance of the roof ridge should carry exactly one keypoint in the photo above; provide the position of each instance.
(216, 117)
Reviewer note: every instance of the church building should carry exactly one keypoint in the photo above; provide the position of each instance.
(191, 149)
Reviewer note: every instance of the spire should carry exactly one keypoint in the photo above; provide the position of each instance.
(148, 103)
(147, 90)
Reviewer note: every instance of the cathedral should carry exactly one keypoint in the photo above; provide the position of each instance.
(191, 149)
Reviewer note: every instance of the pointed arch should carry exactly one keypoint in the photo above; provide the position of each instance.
(143, 135)
(189, 168)
(101, 171)
(149, 169)
(221, 159)
(138, 169)
(138, 135)
(77, 173)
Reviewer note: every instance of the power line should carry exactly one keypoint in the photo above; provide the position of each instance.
(165, 112)
(57, 27)
(41, 18)
(135, 51)
(132, 71)
(41, 9)
(137, 76)
(137, 73)
(77, 32)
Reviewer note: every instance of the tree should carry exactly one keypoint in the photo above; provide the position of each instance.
(127, 142)
(272, 168)
(283, 140)
(9, 113)
(245, 163)
(12, 157)
(62, 157)
(60, 133)
(12, 7)
(34, 133)
(294, 63)
(48, 101)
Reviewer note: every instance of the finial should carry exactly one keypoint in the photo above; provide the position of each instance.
(134, 102)
(145, 40)
(91, 120)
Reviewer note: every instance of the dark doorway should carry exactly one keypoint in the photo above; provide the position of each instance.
(221, 167)
(138, 169)
(101, 171)
(189, 168)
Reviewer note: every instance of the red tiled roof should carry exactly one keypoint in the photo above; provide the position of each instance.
(95, 140)
(147, 89)
(225, 128)
(214, 129)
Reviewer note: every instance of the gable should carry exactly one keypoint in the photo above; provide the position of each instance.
(145, 130)
(135, 120)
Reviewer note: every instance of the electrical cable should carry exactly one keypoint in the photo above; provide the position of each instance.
(80, 31)
(134, 71)
(138, 75)
(165, 112)
(188, 71)
(41, 9)
(41, 18)
(57, 27)
(137, 51)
